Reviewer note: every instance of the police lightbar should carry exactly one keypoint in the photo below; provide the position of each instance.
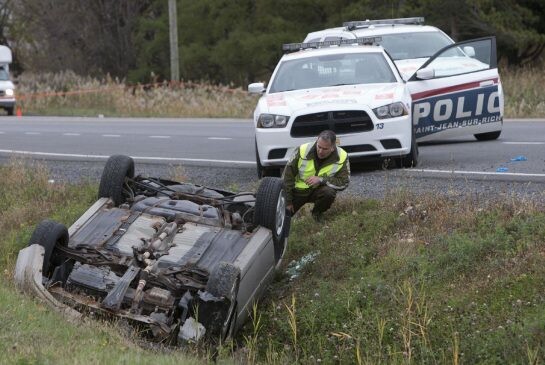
(366, 23)
(293, 47)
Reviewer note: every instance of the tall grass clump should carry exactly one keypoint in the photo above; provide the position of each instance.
(523, 88)
(66, 93)
(415, 279)
(26, 197)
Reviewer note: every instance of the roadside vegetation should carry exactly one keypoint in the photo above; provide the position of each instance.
(68, 94)
(407, 279)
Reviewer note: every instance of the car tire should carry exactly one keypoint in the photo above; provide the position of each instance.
(47, 234)
(489, 136)
(224, 282)
(265, 171)
(410, 159)
(117, 169)
(270, 212)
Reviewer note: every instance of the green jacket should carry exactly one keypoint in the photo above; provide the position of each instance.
(339, 181)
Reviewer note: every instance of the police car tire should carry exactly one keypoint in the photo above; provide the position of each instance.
(260, 168)
(116, 170)
(47, 234)
(270, 192)
(411, 159)
(489, 136)
(265, 171)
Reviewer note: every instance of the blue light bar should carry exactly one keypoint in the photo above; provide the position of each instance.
(366, 23)
(293, 47)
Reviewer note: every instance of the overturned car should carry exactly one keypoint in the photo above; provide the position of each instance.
(182, 261)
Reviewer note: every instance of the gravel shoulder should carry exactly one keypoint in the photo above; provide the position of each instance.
(366, 182)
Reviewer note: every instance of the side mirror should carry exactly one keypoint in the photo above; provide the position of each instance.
(425, 73)
(469, 51)
(256, 88)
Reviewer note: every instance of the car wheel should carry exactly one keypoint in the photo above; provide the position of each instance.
(260, 168)
(490, 136)
(47, 234)
(270, 212)
(223, 283)
(410, 159)
(114, 178)
(265, 171)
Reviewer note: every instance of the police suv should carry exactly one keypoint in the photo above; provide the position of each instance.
(350, 86)
(455, 87)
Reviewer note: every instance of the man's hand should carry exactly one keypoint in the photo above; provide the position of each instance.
(289, 208)
(313, 181)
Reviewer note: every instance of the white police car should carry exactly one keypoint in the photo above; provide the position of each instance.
(345, 86)
(455, 87)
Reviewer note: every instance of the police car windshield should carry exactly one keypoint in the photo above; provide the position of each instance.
(403, 46)
(332, 70)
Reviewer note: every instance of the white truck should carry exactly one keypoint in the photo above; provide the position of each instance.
(7, 89)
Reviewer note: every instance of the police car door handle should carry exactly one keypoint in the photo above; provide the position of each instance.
(486, 83)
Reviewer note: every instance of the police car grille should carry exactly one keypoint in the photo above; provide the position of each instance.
(341, 122)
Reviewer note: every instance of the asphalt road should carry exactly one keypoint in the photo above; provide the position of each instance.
(76, 148)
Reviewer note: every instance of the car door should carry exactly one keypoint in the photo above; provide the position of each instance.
(458, 92)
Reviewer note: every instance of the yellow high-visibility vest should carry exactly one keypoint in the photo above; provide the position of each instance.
(307, 169)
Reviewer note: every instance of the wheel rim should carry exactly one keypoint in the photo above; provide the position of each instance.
(280, 214)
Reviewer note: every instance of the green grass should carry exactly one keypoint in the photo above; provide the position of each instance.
(407, 279)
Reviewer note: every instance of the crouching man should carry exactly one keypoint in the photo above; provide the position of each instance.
(315, 173)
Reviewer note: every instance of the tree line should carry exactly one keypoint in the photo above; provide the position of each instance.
(232, 41)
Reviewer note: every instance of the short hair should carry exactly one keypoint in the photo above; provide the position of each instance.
(328, 135)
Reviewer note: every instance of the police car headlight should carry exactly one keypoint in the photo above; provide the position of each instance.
(9, 92)
(390, 111)
(272, 121)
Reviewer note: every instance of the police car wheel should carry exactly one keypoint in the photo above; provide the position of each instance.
(47, 234)
(490, 136)
(411, 159)
(114, 178)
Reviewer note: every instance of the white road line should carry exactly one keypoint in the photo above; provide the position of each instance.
(111, 135)
(523, 142)
(460, 172)
(33, 133)
(148, 158)
(71, 134)
(164, 137)
(220, 138)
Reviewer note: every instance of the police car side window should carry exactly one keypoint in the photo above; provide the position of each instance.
(461, 59)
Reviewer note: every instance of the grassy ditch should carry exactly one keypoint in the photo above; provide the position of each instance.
(407, 279)
(68, 94)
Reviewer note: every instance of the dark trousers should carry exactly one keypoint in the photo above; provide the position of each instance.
(322, 197)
